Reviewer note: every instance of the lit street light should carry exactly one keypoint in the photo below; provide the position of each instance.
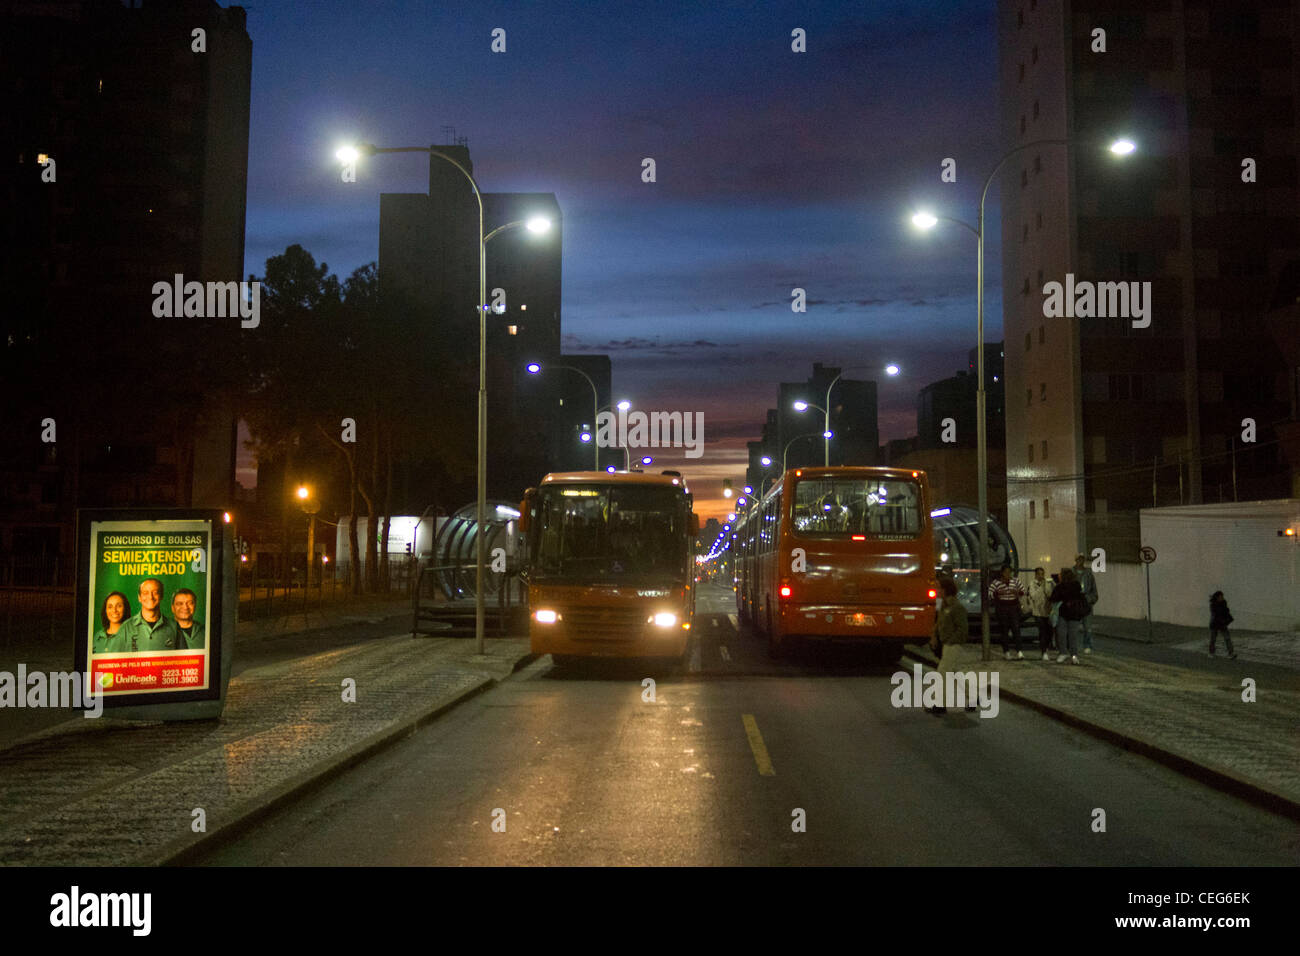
(349, 153)
(925, 221)
(535, 369)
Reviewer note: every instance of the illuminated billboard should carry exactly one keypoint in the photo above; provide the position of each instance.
(150, 605)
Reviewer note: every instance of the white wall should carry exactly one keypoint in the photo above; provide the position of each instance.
(1231, 547)
(1122, 591)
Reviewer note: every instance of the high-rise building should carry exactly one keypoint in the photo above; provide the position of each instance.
(125, 154)
(1144, 405)
(428, 261)
(956, 398)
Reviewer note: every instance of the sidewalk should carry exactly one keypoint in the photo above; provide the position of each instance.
(110, 792)
(1193, 720)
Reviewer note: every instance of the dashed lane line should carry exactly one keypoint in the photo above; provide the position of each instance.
(757, 746)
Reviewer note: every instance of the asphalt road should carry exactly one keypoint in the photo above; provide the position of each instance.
(584, 771)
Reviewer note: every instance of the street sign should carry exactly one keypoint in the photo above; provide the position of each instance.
(1148, 554)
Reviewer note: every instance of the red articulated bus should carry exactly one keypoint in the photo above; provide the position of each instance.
(845, 553)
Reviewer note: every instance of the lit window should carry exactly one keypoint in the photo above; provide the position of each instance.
(512, 329)
(523, 308)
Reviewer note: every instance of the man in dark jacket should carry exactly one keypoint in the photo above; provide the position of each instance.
(1088, 583)
(1220, 618)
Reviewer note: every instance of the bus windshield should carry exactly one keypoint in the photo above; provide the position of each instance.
(632, 534)
(885, 508)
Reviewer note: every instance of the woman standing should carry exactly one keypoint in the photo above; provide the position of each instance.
(1220, 618)
(1074, 608)
(1040, 606)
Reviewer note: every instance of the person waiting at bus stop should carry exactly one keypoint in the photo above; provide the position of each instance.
(951, 632)
(1005, 593)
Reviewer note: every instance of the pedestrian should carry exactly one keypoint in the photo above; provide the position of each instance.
(1005, 594)
(951, 632)
(1220, 618)
(1074, 608)
(1040, 606)
(1088, 582)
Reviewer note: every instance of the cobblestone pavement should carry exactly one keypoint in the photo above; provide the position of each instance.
(1197, 714)
(109, 792)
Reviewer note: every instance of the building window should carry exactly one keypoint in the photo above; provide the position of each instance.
(1047, 508)
(1029, 338)
(1022, 123)
(1040, 278)
(1029, 396)
(1038, 160)
(1042, 391)
(512, 329)
(1040, 220)
(1024, 176)
(1042, 335)
(1031, 453)
(1043, 450)
(1025, 290)
(1020, 17)
(1031, 509)
(1024, 237)
(1022, 74)
(1034, 56)
(1035, 109)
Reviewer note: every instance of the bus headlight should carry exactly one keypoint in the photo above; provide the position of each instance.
(545, 616)
(663, 619)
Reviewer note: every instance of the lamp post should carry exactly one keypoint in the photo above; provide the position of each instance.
(826, 410)
(785, 454)
(535, 369)
(537, 224)
(309, 506)
(926, 221)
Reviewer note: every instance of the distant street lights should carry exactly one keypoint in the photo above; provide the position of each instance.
(535, 224)
(800, 406)
(925, 221)
(535, 369)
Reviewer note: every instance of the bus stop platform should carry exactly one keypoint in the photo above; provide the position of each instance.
(110, 792)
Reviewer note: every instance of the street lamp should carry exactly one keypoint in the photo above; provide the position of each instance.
(310, 507)
(535, 224)
(890, 369)
(785, 454)
(535, 369)
(925, 221)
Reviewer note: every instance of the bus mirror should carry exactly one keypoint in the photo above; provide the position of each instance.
(695, 524)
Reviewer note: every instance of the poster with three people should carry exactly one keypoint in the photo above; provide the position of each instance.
(149, 607)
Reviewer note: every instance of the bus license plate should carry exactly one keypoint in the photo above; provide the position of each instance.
(860, 620)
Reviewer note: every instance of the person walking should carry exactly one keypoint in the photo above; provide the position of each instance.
(1088, 582)
(951, 632)
(1074, 608)
(1005, 594)
(1220, 618)
(1040, 606)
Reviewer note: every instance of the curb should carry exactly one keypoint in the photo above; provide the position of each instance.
(1211, 777)
(243, 817)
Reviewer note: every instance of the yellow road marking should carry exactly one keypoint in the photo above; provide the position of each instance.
(756, 744)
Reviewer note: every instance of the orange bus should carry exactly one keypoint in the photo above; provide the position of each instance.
(842, 553)
(609, 565)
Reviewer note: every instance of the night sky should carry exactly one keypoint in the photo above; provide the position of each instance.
(775, 170)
